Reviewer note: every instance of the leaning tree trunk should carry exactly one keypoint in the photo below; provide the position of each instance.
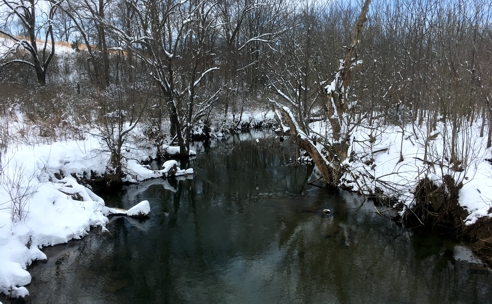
(329, 163)
(330, 174)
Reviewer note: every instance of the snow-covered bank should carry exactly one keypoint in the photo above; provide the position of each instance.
(222, 125)
(391, 160)
(42, 204)
(49, 216)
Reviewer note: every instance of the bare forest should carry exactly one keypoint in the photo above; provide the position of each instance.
(178, 68)
(386, 101)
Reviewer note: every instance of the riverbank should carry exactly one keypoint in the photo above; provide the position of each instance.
(43, 202)
(403, 167)
(248, 228)
(46, 198)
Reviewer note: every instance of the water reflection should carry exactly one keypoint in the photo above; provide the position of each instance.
(247, 229)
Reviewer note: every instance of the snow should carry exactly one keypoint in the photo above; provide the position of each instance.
(168, 165)
(42, 180)
(175, 150)
(142, 208)
(378, 164)
(5, 45)
(171, 165)
(461, 253)
(58, 208)
(8, 46)
(52, 216)
(139, 210)
(476, 195)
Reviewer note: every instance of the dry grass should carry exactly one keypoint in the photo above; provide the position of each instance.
(57, 43)
(68, 45)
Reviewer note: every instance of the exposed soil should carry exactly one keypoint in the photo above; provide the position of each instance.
(437, 210)
(479, 237)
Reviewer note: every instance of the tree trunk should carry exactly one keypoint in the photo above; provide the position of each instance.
(175, 123)
(103, 48)
(338, 95)
(41, 75)
(330, 175)
(489, 135)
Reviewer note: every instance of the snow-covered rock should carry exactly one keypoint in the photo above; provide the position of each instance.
(176, 150)
(141, 209)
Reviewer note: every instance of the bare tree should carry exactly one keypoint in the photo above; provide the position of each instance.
(340, 111)
(86, 15)
(171, 38)
(118, 112)
(297, 76)
(64, 27)
(33, 21)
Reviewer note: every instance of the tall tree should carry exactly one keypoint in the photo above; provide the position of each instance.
(247, 30)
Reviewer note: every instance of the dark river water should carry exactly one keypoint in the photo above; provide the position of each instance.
(249, 229)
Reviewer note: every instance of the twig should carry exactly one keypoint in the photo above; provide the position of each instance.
(416, 216)
(381, 214)
(312, 182)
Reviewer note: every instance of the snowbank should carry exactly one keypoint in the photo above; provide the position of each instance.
(37, 209)
(391, 159)
(53, 213)
(176, 150)
(42, 204)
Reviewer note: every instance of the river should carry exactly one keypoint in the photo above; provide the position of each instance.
(249, 229)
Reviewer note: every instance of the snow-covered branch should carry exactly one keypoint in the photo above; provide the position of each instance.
(204, 74)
